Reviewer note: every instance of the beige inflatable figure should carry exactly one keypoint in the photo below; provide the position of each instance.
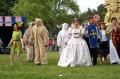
(113, 10)
(40, 36)
(30, 48)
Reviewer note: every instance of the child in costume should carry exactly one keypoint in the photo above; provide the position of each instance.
(104, 44)
(16, 44)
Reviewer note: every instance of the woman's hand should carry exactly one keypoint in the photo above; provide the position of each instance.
(11, 41)
(8, 45)
(115, 28)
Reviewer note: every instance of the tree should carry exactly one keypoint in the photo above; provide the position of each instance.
(53, 12)
(84, 16)
(101, 11)
(5, 7)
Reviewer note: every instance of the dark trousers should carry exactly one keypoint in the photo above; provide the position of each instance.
(93, 51)
(87, 41)
(104, 48)
(94, 55)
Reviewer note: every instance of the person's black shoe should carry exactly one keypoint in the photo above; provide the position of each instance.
(94, 63)
(115, 63)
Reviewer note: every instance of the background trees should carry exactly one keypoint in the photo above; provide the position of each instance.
(5, 7)
(53, 12)
(101, 11)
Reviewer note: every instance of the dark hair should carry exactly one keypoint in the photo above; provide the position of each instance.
(91, 17)
(16, 25)
(76, 19)
(113, 18)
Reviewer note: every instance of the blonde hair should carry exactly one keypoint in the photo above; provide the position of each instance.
(39, 22)
(75, 20)
(31, 24)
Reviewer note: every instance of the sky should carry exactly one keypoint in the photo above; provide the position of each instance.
(85, 4)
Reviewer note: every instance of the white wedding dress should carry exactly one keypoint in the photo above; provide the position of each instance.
(76, 52)
(62, 38)
(113, 54)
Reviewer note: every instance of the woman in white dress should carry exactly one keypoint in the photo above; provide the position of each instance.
(62, 37)
(76, 52)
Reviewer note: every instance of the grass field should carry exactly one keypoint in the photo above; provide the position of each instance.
(52, 71)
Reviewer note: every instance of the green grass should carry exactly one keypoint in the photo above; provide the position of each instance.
(52, 71)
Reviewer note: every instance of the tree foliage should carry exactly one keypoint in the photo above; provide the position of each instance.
(5, 7)
(101, 11)
(52, 12)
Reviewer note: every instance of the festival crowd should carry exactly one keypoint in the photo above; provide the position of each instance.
(79, 44)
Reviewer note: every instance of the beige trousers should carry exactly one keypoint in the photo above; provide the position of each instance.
(41, 55)
(30, 53)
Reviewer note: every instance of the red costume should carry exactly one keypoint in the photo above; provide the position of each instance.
(116, 40)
